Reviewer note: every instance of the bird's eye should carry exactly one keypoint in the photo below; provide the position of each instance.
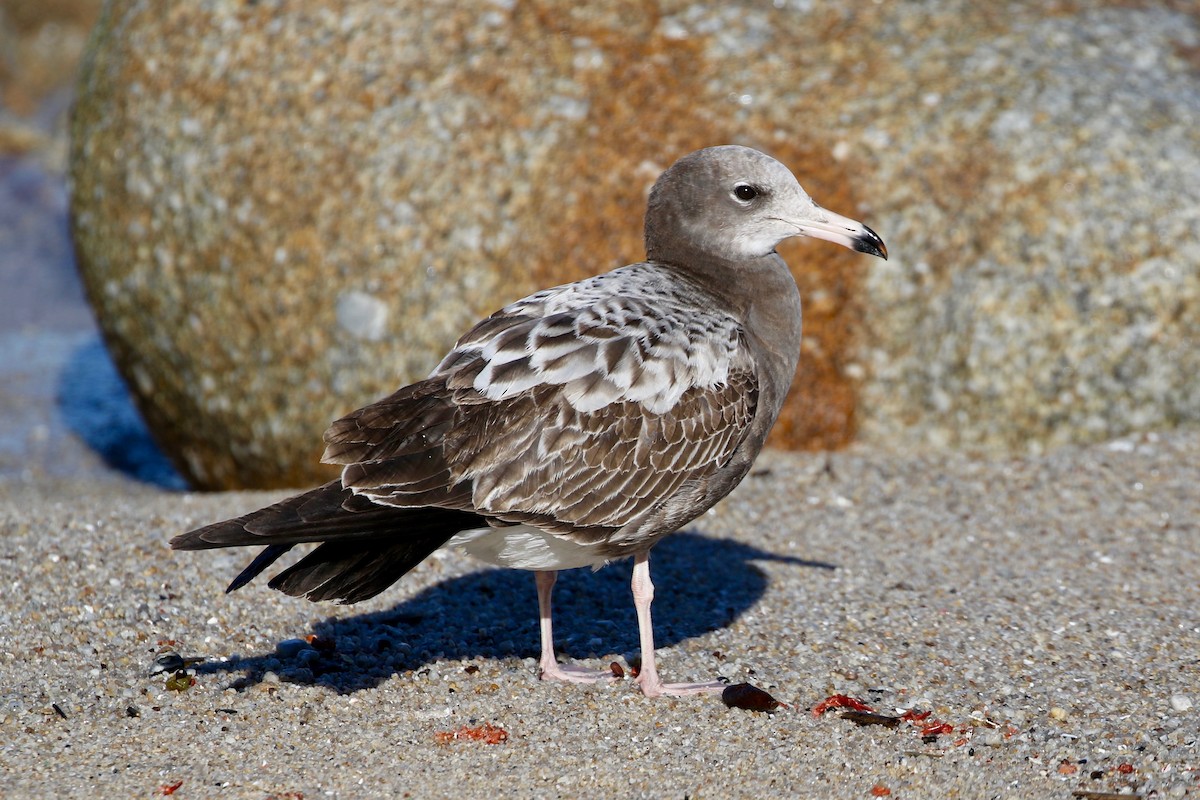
(745, 192)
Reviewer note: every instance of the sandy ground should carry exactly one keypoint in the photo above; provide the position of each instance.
(1042, 611)
(1043, 608)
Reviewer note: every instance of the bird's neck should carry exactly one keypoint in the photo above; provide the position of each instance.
(773, 322)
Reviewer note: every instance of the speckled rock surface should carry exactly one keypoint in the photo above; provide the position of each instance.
(284, 211)
(1038, 170)
(1044, 607)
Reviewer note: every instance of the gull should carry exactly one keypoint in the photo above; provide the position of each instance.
(578, 425)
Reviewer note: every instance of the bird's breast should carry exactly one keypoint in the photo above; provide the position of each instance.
(527, 547)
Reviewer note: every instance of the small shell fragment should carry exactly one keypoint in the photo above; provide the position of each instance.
(170, 661)
(871, 718)
(181, 681)
(749, 698)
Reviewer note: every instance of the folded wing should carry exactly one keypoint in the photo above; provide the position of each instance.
(575, 410)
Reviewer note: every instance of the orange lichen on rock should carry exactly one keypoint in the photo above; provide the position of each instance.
(660, 114)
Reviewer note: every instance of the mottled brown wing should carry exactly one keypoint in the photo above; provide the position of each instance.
(538, 460)
(576, 410)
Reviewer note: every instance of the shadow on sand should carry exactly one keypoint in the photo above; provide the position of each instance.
(96, 406)
(702, 584)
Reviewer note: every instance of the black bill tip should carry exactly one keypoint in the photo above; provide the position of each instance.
(870, 243)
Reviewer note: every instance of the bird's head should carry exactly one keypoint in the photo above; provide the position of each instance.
(735, 204)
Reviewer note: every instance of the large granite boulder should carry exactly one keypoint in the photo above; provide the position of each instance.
(1038, 177)
(285, 210)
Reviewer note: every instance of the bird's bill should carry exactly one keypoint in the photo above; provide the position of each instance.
(846, 232)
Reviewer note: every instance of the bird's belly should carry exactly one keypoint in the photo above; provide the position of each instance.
(526, 547)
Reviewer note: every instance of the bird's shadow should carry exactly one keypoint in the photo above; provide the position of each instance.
(702, 584)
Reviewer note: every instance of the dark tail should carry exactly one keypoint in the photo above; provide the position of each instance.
(364, 548)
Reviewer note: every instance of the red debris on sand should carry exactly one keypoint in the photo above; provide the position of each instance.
(921, 721)
(617, 670)
(936, 728)
(486, 733)
(879, 790)
(839, 701)
(912, 715)
(168, 789)
(1125, 769)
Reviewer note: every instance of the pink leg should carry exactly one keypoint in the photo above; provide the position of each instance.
(551, 670)
(652, 685)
